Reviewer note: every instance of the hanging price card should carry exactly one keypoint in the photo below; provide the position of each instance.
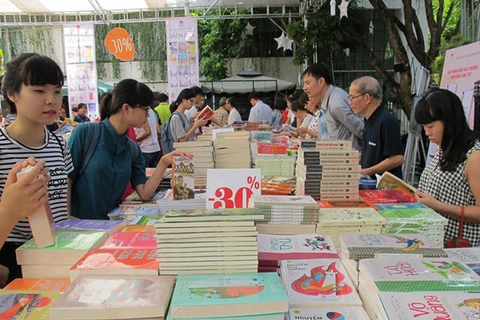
(232, 188)
(119, 43)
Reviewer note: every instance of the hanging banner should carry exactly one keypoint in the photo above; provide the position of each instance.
(182, 55)
(119, 43)
(81, 68)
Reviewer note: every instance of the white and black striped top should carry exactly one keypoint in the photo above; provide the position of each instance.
(12, 151)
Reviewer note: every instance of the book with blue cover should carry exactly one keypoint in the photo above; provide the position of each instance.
(109, 226)
(246, 294)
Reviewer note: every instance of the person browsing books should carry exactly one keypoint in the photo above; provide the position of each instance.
(81, 117)
(31, 87)
(450, 183)
(115, 159)
(183, 129)
(382, 148)
(260, 111)
(231, 107)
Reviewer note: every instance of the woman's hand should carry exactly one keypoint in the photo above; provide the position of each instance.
(200, 122)
(168, 158)
(428, 200)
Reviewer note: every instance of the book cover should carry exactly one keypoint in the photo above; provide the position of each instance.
(114, 297)
(345, 204)
(319, 282)
(131, 240)
(183, 181)
(388, 181)
(26, 305)
(117, 262)
(206, 113)
(109, 226)
(414, 212)
(134, 210)
(267, 201)
(350, 216)
(430, 305)
(208, 296)
(387, 196)
(39, 284)
(271, 316)
(138, 228)
(332, 313)
(69, 247)
(41, 221)
(292, 247)
(214, 214)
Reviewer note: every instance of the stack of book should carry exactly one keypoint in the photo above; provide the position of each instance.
(469, 256)
(109, 226)
(275, 165)
(166, 203)
(130, 240)
(336, 221)
(39, 284)
(129, 212)
(428, 305)
(328, 171)
(286, 214)
(410, 274)
(413, 218)
(318, 283)
(340, 313)
(115, 297)
(55, 261)
(203, 155)
(208, 241)
(355, 247)
(273, 248)
(25, 304)
(387, 196)
(134, 199)
(231, 296)
(265, 136)
(276, 185)
(232, 150)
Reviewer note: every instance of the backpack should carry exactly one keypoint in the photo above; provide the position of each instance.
(166, 137)
(93, 135)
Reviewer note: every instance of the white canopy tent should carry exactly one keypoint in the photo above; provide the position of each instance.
(240, 84)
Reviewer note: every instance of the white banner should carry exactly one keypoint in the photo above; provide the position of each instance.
(81, 67)
(182, 55)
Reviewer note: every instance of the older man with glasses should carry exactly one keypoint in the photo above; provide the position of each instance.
(382, 148)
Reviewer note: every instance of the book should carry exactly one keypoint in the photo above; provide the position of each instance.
(209, 296)
(101, 297)
(41, 221)
(303, 246)
(28, 305)
(109, 226)
(214, 215)
(138, 228)
(69, 247)
(131, 240)
(46, 270)
(129, 262)
(271, 316)
(350, 216)
(206, 113)
(388, 181)
(387, 196)
(345, 204)
(340, 313)
(39, 284)
(183, 182)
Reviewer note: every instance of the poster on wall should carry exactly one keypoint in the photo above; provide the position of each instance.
(182, 55)
(81, 68)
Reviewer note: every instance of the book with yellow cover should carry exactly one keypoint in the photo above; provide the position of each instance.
(39, 284)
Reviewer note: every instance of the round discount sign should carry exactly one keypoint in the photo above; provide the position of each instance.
(119, 43)
(232, 188)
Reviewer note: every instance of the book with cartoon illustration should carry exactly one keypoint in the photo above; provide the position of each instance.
(209, 296)
(332, 313)
(183, 181)
(290, 247)
(27, 305)
(318, 283)
(118, 297)
(39, 284)
(429, 305)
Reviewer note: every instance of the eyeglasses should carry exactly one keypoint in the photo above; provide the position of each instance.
(358, 95)
(144, 108)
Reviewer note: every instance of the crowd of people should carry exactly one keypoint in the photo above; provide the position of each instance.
(87, 177)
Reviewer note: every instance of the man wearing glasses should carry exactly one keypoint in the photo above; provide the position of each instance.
(342, 123)
(382, 148)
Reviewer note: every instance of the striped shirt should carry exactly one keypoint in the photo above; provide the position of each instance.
(12, 151)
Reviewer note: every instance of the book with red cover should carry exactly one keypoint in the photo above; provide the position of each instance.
(206, 113)
(131, 240)
(39, 284)
(387, 196)
(345, 204)
(133, 262)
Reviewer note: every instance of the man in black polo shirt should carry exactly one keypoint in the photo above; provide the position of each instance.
(382, 148)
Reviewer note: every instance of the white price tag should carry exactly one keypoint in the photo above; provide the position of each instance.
(232, 188)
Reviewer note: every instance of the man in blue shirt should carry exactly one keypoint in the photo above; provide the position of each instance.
(382, 148)
(260, 111)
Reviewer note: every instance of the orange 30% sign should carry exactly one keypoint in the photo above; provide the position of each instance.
(119, 43)
(232, 188)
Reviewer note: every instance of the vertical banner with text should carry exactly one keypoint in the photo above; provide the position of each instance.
(182, 55)
(81, 68)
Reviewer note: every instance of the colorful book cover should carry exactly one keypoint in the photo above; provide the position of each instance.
(268, 201)
(26, 305)
(131, 240)
(138, 228)
(350, 216)
(345, 204)
(430, 305)
(332, 313)
(386, 196)
(214, 214)
(292, 247)
(115, 260)
(208, 296)
(96, 297)
(271, 316)
(90, 225)
(411, 213)
(134, 210)
(42, 284)
(206, 113)
(316, 283)
(469, 256)
(183, 181)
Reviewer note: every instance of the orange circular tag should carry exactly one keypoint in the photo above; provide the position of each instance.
(119, 43)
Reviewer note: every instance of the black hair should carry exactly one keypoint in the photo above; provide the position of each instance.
(303, 98)
(269, 101)
(293, 97)
(281, 104)
(319, 70)
(232, 101)
(162, 97)
(185, 94)
(445, 106)
(81, 105)
(135, 94)
(30, 69)
(297, 105)
(197, 90)
(254, 95)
